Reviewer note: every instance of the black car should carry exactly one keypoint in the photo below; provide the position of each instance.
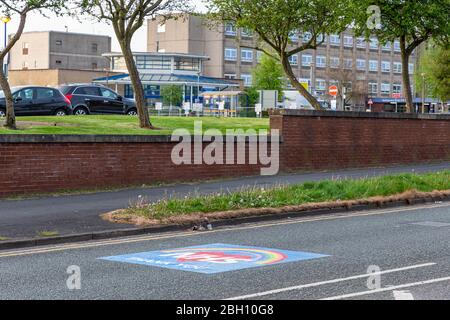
(97, 99)
(37, 101)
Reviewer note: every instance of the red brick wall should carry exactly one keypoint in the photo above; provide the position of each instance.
(314, 140)
(311, 140)
(53, 166)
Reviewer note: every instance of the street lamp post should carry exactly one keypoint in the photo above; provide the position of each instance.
(5, 21)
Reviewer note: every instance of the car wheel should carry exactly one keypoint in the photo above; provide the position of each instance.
(2, 113)
(61, 113)
(80, 112)
(132, 112)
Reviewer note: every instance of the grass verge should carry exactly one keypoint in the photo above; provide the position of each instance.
(48, 234)
(292, 198)
(124, 125)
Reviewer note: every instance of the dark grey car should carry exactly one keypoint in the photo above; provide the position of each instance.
(37, 101)
(96, 99)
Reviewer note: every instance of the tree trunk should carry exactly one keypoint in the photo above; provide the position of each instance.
(293, 79)
(139, 94)
(10, 116)
(405, 75)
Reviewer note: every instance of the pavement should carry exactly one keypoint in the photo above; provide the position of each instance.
(407, 247)
(75, 214)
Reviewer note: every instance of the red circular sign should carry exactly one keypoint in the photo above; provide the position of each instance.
(334, 91)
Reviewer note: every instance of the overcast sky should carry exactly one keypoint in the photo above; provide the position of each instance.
(36, 22)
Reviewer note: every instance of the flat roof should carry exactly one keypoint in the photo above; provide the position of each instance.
(162, 79)
(159, 54)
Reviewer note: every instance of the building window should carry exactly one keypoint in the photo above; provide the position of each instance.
(361, 64)
(397, 67)
(58, 62)
(321, 61)
(307, 36)
(348, 63)
(293, 36)
(385, 66)
(230, 54)
(348, 41)
(385, 88)
(373, 66)
(361, 43)
(161, 28)
(334, 62)
(374, 44)
(25, 48)
(321, 85)
(58, 42)
(397, 46)
(293, 60)
(411, 68)
(246, 55)
(321, 38)
(387, 46)
(94, 48)
(246, 32)
(149, 63)
(373, 88)
(306, 60)
(335, 40)
(397, 88)
(94, 66)
(230, 29)
(248, 80)
(230, 76)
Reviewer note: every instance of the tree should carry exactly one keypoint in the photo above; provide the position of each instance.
(269, 75)
(275, 21)
(410, 22)
(127, 17)
(434, 69)
(172, 95)
(19, 8)
(349, 85)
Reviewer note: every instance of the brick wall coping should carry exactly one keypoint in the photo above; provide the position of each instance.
(371, 115)
(37, 138)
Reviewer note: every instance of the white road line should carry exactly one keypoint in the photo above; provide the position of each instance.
(127, 240)
(403, 295)
(403, 286)
(316, 284)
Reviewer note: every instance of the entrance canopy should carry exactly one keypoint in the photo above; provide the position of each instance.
(169, 79)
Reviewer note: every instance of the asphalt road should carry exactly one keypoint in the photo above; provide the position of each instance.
(80, 213)
(410, 245)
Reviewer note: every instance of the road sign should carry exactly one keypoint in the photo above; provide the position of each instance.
(333, 91)
(214, 258)
(370, 102)
(396, 95)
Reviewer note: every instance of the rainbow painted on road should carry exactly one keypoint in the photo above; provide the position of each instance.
(215, 258)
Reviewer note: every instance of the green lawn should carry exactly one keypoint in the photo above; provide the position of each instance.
(306, 193)
(124, 125)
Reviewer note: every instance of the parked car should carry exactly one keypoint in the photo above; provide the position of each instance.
(37, 101)
(97, 99)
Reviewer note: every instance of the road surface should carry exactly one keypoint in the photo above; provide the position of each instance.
(407, 248)
(80, 213)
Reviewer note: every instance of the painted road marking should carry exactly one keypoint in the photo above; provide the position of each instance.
(214, 258)
(317, 284)
(403, 286)
(90, 244)
(402, 295)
